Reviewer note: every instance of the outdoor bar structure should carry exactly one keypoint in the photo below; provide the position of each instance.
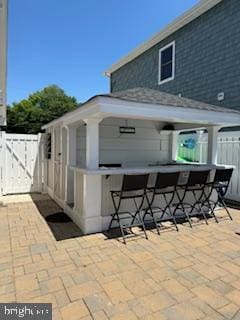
(130, 132)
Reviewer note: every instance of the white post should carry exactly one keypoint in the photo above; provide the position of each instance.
(200, 145)
(92, 143)
(212, 144)
(174, 145)
(40, 162)
(91, 219)
(71, 161)
(60, 159)
(92, 204)
(45, 161)
(53, 160)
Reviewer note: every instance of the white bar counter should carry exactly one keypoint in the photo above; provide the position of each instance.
(92, 200)
(179, 167)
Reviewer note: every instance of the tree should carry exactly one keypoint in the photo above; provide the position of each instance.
(41, 107)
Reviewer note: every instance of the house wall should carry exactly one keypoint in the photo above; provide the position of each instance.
(145, 146)
(207, 59)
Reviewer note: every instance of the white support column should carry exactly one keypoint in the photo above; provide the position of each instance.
(45, 162)
(60, 159)
(87, 211)
(40, 162)
(90, 218)
(92, 204)
(200, 134)
(174, 145)
(53, 157)
(212, 144)
(92, 143)
(71, 161)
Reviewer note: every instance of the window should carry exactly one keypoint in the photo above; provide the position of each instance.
(48, 146)
(167, 63)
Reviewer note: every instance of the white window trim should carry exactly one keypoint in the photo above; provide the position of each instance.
(160, 62)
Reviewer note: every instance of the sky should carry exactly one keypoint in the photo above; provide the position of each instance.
(71, 43)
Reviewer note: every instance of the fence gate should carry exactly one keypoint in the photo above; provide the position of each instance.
(20, 163)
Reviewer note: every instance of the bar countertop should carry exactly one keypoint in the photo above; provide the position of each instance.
(151, 169)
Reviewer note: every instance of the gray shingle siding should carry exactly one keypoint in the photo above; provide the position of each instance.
(207, 60)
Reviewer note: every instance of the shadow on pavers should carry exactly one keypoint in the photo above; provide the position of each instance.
(61, 226)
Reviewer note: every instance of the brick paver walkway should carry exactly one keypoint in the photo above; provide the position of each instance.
(193, 274)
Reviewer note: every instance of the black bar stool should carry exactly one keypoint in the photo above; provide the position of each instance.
(196, 184)
(165, 186)
(220, 185)
(133, 188)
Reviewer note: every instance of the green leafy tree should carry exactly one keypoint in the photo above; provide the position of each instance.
(41, 107)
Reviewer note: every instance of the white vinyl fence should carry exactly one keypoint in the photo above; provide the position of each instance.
(228, 153)
(20, 163)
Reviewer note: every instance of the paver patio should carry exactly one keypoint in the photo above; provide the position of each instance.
(193, 274)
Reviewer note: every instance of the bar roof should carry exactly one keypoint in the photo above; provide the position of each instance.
(145, 95)
(144, 103)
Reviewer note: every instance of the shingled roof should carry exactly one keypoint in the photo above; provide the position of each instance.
(159, 101)
(145, 95)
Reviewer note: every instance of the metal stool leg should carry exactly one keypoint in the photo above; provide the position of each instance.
(122, 231)
(207, 203)
(116, 207)
(225, 207)
(110, 225)
(197, 203)
(212, 210)
(154, 220)
(169, 208)
(204, 196)
(138, 213)
(182, 206)
(143, 226)
(151, 213)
